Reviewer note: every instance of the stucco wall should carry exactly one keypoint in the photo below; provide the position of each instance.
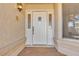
(39, 6)
(11, 30)
(58, 22)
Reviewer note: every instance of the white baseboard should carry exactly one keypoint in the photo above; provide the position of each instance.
(39, 46)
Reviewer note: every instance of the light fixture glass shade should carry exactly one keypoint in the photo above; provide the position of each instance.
(19, 6)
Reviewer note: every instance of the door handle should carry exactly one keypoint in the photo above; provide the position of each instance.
(33, 30)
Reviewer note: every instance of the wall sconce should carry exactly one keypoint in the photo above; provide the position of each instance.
(19, 7)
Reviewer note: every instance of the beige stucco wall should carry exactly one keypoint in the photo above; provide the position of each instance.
(11, 30)
(56, 23)
(39, 6)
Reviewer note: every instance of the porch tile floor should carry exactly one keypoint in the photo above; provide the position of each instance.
(39, 51)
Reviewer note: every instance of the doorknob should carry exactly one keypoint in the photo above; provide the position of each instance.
(33, 30)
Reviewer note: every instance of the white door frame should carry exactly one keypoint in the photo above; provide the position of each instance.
(29, 11)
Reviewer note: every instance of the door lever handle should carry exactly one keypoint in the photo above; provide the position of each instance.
(33, 30)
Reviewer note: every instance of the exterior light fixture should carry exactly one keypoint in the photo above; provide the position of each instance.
(19, 7)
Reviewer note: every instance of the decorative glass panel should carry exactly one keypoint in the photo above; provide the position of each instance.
(39, 18)
(29, 21)
(50, 19)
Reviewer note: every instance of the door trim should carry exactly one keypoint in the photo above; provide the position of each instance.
(29, 11)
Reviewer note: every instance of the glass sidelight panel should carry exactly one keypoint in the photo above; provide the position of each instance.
(50, 19)
(29, 21)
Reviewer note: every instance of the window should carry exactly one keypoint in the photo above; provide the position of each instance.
(39, 18)
(50, 19)
(29, 21)
(71, 20)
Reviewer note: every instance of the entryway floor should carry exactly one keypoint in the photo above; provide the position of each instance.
(39, 51)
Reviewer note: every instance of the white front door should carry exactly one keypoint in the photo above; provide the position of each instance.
(39, 27)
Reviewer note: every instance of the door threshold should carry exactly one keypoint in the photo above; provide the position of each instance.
(35, 45)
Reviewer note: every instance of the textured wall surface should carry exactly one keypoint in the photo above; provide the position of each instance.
(11, 29)
(39, 6)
